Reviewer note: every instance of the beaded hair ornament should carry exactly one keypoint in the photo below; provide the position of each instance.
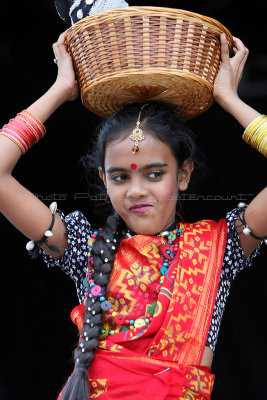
(137, 134)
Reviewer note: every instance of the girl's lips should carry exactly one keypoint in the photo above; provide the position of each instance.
(141, 208)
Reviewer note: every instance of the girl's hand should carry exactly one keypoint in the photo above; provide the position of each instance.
(66, 79)
(230, 72)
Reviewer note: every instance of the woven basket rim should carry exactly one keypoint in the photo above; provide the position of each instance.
(151, 11)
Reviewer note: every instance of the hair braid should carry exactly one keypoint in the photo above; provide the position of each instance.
(104, 250)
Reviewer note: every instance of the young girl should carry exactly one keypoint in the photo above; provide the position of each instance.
(152, 288)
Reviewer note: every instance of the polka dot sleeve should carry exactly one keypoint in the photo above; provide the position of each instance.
(74, 260)
(233, 262)
(231, 266)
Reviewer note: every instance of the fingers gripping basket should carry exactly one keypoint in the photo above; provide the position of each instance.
(146, 53)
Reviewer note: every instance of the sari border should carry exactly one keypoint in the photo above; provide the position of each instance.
(192, 354)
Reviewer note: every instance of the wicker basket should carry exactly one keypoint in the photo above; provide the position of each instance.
(146, 53)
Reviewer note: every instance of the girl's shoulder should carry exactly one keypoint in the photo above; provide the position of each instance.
(75, 220)
(78, 231)
(228, 220)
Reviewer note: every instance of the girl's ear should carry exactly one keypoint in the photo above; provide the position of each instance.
(102, 175)
(184, 174)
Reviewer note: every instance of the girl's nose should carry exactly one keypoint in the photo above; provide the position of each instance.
(137, 189)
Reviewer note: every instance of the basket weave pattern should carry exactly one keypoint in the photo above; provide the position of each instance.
(140, 53)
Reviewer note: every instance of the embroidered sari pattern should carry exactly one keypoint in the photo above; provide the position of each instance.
(135, 280)
(183, 332)
(98, 387)
(198, 382)
(176, 337)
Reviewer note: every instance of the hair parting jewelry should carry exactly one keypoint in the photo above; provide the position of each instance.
(256, 134)
(24, 130)
(137, 134)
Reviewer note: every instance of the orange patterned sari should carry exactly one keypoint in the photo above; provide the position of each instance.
(160, 360)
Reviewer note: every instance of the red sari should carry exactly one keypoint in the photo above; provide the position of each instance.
(160, 360)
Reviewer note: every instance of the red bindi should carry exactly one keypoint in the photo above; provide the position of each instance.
(133, 166)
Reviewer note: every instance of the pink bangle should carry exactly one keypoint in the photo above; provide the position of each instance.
(12, 133)
(39, 124)
(24, 130)
(34, 122)
(16, 128)
(31, 127)
(22, 125)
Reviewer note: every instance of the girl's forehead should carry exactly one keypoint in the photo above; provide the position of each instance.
(151, 150)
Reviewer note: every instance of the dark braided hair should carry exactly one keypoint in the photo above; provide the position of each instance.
(104, 247)
(159, 120)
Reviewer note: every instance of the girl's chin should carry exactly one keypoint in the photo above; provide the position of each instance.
(148, 223)
(145, 228)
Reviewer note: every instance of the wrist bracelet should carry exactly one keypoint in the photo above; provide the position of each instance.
(246, 229)
(33, 246)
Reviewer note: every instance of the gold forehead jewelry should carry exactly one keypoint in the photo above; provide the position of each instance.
(137, 134)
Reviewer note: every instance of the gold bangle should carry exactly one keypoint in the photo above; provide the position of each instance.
(255, 121)
(263, 144)
(258, 136)
(263, 147)
(251, 132)
(252, 127)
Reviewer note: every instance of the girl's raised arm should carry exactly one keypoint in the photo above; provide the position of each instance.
(24, 210)
(225, 93)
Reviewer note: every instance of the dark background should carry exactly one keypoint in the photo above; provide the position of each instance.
(37, 334)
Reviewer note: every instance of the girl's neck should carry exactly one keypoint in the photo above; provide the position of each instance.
(168, 229)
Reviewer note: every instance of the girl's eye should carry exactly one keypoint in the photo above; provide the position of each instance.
(119, 178)
(155, 175)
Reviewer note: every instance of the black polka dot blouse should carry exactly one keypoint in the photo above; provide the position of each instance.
(74, 262)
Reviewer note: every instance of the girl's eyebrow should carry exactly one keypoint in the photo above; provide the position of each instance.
(148, 166)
